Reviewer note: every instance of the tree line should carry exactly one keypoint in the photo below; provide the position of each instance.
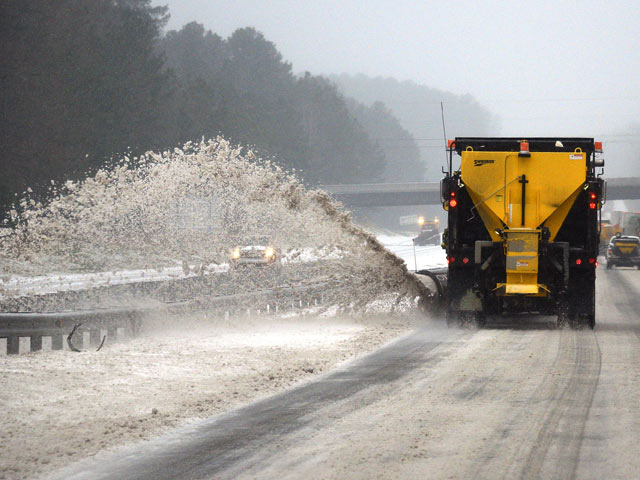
(84, 82)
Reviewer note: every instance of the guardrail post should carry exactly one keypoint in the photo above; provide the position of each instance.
(13, 345)
(112, 333)
(35, 342)
(57, 342)
(94, 336)
(134, 323)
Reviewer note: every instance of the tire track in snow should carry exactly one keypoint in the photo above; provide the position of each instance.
(562, 402)
(217, 445)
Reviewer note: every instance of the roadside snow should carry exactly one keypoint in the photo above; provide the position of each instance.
(61, 406)
(18, 285)
(21, 285)
(430, 256)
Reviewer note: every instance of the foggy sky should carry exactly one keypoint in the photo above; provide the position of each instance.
(546, 68)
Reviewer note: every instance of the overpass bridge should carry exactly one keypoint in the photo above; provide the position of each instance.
(397, 194)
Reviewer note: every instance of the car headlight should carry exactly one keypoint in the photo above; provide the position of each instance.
(268, 253)
(235, 254)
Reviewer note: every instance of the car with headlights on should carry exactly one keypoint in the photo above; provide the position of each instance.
(255, 255)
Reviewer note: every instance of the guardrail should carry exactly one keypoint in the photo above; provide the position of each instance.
(118, 322)
(113, 323)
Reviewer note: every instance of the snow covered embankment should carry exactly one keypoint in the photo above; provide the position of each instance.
(60, 407)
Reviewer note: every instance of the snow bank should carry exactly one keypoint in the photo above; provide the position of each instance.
(192, 206)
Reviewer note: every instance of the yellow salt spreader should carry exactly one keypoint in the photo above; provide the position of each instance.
(523, 228)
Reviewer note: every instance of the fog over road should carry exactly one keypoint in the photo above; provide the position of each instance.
(502, 402)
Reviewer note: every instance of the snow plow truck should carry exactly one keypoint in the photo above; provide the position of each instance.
(523, 227)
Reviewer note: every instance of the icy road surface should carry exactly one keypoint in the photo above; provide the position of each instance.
(502, 402)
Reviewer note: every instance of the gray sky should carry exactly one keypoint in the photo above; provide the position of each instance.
(545, 67)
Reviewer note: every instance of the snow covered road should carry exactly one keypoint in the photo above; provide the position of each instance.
(61, 406)
(517, 402)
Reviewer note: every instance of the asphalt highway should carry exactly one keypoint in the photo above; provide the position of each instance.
(513, 400)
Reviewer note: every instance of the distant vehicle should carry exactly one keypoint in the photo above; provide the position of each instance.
(623, 251)
(624, 222)
(429, 232)
(607, 230)
(258, 255)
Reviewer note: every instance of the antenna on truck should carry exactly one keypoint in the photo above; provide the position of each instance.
(449, 145)
(444, 133)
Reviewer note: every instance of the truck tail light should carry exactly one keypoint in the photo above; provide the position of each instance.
(593, 196)
(592, 260)
(453, 203)
(451, 259)
(465, 260)
(592, 205)
(598, 147)
(578, 261)
(524, 149)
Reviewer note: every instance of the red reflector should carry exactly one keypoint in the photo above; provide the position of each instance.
(593, 196)
(598, 146)
(592, 205)
(453, 202)
(451, 143)
(578, 261)
(524, 147)
(592, 260)
(465, 260)
(452, 259)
